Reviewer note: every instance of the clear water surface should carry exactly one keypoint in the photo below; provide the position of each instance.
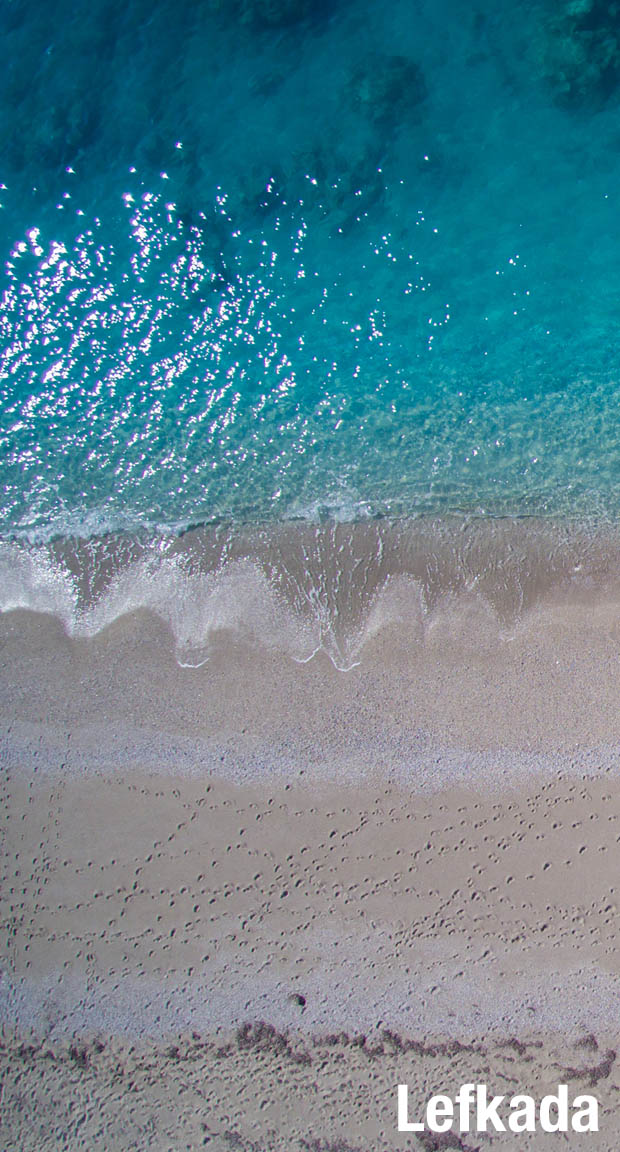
(274, 259)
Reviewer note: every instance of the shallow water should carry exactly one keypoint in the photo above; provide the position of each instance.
(269, 261)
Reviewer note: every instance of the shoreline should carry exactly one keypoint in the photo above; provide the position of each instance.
(308, 590)
(415, 691)
(512, 560)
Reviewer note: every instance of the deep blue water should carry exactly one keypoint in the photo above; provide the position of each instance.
(273, 259)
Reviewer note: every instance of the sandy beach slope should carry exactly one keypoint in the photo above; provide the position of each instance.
(241, 903)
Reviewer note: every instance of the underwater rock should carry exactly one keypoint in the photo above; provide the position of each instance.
(387, 89)
(578, 51)
(60, 134)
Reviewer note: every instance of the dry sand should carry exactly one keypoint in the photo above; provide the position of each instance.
(240, 904)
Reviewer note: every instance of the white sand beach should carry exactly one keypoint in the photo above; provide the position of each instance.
(242, 902)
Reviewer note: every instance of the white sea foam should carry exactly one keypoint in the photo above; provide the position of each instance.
(30, 580)
(236, 602)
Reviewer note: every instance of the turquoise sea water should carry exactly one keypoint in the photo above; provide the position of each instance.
(276, 259)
